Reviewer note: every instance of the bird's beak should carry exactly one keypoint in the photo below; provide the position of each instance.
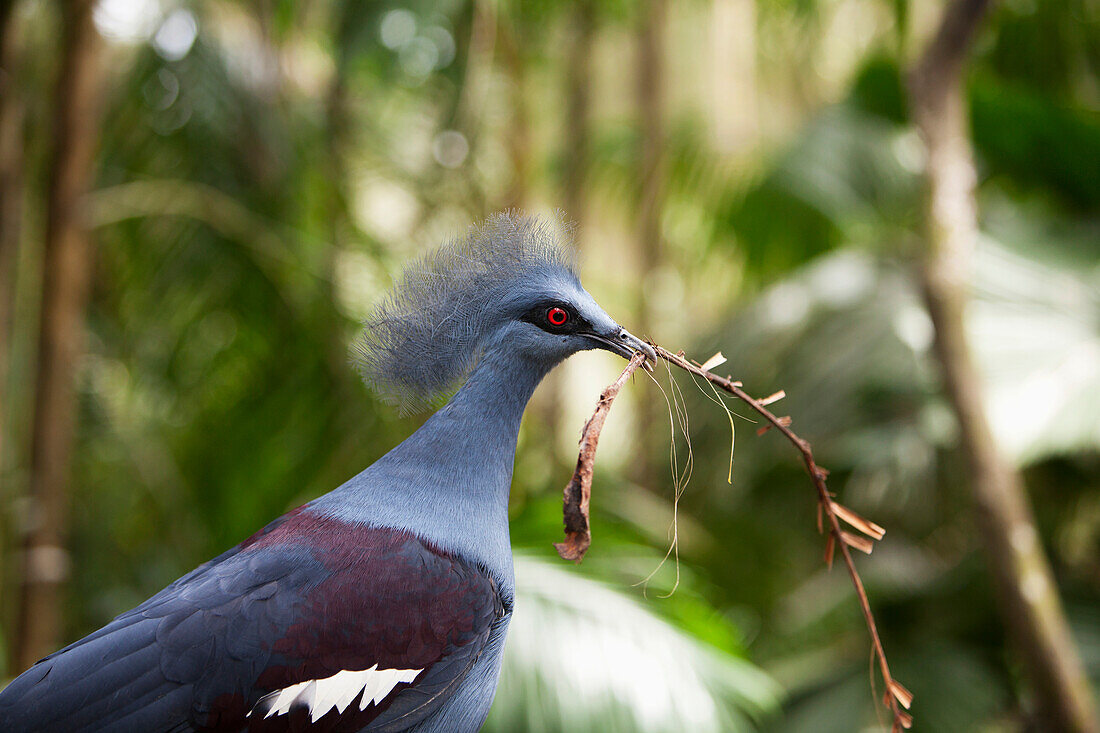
(626, 344)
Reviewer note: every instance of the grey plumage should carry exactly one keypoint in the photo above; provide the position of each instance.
(428, 333)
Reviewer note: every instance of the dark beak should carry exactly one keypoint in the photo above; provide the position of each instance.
(626, 345)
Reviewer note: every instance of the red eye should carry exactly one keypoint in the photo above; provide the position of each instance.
(557, 316)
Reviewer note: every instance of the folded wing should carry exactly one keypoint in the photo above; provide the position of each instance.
(312, 623)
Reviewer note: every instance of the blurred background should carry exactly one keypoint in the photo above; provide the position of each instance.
(199, 201)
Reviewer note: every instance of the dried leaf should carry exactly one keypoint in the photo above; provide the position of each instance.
(773, 398)
(903, 695)
(865, 526)
(862, 544)
(785, 421)
(577, 494)
(716, 360)
(763, 429)
(830, 547)
(906, 720)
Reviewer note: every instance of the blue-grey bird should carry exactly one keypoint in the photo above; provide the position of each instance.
(383, 605)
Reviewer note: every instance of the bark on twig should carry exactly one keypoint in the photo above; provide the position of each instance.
(578, 535)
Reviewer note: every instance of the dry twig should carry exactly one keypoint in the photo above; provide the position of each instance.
(897, 696)
(830, 514)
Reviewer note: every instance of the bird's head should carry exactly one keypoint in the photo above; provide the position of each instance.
(509, 287)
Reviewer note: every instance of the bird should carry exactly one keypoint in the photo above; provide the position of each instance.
(384, 604)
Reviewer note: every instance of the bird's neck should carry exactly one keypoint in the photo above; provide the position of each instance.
(449, 482)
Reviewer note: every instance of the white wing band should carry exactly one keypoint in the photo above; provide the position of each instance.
(337, 691)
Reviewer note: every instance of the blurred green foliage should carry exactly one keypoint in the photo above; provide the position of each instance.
(266, 167)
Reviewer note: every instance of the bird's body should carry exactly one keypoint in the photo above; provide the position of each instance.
(383, 605)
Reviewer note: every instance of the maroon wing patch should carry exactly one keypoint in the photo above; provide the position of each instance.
(389, 613)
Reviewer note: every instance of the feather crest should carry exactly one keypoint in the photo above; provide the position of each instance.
(427, 334)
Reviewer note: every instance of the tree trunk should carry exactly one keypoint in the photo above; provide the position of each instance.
(578, 101)
(733, 98)
(650, 90)
(518, 135)
(1025, 585)
(66, 277)
(11, 206)
(11, 197)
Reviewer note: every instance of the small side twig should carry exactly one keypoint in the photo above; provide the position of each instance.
(578, 534)
(897, 697)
